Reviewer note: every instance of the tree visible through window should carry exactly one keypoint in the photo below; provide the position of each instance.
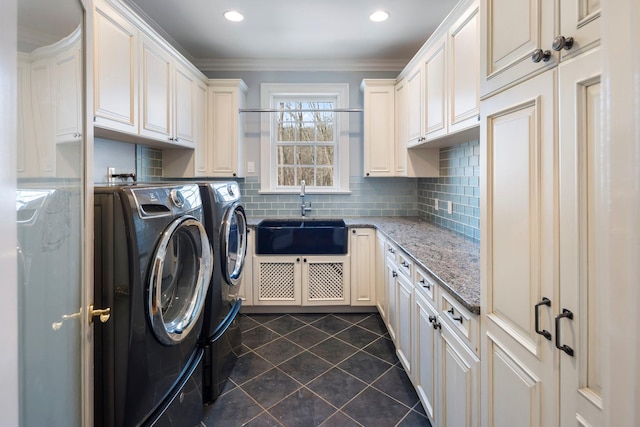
(304, 135)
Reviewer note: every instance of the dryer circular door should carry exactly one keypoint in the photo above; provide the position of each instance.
(234, 243)
(180, 274)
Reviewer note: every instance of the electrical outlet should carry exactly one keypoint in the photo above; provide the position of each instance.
(437, 204)
(251, 167)
(450, 207)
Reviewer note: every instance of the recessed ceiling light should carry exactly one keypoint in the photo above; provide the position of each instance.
(379, 16)
(233, 16)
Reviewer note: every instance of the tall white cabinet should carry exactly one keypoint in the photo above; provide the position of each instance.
(539, 124)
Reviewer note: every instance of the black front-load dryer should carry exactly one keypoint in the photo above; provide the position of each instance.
(153, 264)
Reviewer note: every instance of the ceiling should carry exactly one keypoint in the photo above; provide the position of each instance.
(294, 33)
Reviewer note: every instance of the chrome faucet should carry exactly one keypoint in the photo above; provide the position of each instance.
(303, 206)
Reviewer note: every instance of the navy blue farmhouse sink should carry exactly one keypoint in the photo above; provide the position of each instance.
(301, 237)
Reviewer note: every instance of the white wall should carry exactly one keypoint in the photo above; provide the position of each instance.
(116, 154)
(8, 262)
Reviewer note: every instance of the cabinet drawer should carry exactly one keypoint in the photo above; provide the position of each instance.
(461, 320)
(405, 265)
(391, 251)
(425, 285)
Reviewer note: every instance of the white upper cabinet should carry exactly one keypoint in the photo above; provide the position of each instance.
(435, 98)
(401, 128)
(67, 89)
(143, 87)
(519, 39)
(580, 20)
(379, 131)
(443, 85)
(185, 104)
(200, 129)
(116, 71)
(463, 74)
(414, 102)
(156, 88)
(226, 127)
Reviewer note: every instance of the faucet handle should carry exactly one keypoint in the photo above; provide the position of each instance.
(302, 188)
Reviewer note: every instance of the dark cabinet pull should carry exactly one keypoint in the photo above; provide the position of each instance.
(434, 320)
(394, 274)
(452, 313)
(545, 301)
(425, 284)
(541, 55)
(562, 42)
(569, 315)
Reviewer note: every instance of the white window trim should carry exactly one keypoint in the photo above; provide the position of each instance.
(269, 91)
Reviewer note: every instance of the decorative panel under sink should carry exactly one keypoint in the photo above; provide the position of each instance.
(277, 281)
(326, 282)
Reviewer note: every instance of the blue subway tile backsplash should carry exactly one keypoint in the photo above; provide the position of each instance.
(459, 182)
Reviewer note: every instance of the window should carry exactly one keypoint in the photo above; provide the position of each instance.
(304, 138)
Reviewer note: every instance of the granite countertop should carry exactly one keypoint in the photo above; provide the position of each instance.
(452, 259)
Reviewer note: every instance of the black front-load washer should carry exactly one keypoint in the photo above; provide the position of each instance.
(153, 264)
(226, 225)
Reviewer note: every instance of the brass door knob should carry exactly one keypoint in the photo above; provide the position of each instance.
(104, 314)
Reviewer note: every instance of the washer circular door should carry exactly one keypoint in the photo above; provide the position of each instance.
(179, 279)
(234, 243)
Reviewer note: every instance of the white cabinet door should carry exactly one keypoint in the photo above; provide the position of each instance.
(185, 105)
(580, 19)
(203, 147)
(392, 289)
(245, 292)
(42, 116)
(381, 277)
(155, 94)
(362, 251)
(277, 280)
(67, 91)
(116, 72)
(404, 330)
(325, 280)
(463, 71)
(401, 128)
(519, 253)
(511, 30)
(426, 341)
(414, 106)
(434, 69)
(379, 133)
(226, 130)
(24, 131)
(459, 386)
(580, 373)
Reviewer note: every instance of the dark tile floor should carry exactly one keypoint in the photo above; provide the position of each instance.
(316, 370)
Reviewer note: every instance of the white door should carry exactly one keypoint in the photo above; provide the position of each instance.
(519, 252)
(580, 372)
(53, 321)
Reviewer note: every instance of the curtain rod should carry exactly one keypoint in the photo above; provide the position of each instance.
(302, 110)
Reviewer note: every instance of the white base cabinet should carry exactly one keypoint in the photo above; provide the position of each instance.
(301, 280)
(362, 251)
(436, 339)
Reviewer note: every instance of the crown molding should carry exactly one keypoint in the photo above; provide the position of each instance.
(258, 64)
